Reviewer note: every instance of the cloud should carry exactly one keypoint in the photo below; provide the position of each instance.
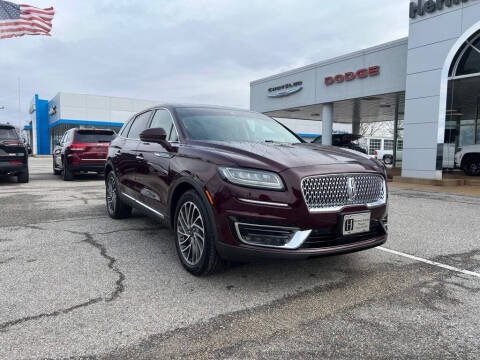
(202, 51)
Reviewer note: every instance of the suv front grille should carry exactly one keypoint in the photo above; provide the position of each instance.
(334, 192)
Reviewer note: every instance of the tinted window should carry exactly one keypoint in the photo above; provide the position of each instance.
(86, 136)
(232, 125)
(163, 119)
(8, 133)
(139, 124)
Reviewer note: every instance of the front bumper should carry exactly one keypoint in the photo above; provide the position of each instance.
(251, 253)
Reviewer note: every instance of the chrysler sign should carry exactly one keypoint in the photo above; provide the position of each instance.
(422, 7)
(351, 76)
(285, 89)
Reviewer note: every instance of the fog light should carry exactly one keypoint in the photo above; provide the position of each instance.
(271, 236)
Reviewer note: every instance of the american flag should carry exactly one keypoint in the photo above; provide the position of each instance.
(19, 20)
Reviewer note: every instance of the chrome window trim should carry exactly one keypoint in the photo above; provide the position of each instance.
(144, 205)
(299, 237)
(173, 122)
(373, 205)
(266, 203)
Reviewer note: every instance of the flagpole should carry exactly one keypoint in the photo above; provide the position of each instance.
(19, 106)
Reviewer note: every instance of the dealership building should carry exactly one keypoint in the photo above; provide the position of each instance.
(428, 85)
(50, 119)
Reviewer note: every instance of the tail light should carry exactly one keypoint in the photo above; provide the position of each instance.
(15, 162)
(13, 143)
(375, 153)
(77, 147)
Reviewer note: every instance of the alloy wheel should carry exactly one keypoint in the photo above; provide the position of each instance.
(190, 233)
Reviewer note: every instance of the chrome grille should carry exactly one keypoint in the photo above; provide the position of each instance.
(333, 192)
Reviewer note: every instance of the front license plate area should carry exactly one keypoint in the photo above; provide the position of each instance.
(356, 223)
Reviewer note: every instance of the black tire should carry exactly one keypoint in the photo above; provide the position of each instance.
(67, 173)
(209, 261)
(23, 177)
(388, 160)
(55, 170)
(116, 208)
(472, 166)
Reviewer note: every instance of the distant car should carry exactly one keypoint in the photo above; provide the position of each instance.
(81, 150)
(468, 159)
(344, 141)
(13, 154)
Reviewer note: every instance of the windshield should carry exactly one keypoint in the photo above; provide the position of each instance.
(232, 125)
(94, 136)
(8, 134)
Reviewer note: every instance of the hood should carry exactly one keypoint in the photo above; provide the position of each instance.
(278, 157)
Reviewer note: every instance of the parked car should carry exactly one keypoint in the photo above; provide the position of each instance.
(238, 185)
(13, 154)
(468, 159)
(81, 150)
(344, 141)
(386, 156)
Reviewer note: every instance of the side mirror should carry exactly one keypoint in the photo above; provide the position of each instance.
(155, 135)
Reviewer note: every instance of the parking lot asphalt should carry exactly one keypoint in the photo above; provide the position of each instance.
(76, 284)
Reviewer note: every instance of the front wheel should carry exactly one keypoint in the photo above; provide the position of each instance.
(195, 237)
(55, 170)
(472, 167)
(116, 208)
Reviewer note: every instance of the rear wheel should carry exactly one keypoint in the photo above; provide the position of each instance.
(195, 237)
(23, 177)
(67, 173)
(116, 208)
(472, 166)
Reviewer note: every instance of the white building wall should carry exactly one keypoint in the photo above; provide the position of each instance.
(84, 107)
(432, 39)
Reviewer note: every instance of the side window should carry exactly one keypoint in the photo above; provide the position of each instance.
(163, 119)
(139, 124)
(126, 128)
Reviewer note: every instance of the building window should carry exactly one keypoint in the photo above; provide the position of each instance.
(467, 61)
(388, 144)
(399, 145)
(375, 144)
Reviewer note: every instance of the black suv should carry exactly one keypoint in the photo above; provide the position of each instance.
(13, 154)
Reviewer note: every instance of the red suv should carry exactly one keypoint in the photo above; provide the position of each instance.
(81, 150)
(238, 185)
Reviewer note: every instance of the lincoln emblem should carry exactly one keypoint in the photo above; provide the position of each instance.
(351, 191)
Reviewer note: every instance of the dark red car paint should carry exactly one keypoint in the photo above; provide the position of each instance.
(158, 181)
(80, 155)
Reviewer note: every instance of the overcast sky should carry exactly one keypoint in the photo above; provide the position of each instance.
(200, 51)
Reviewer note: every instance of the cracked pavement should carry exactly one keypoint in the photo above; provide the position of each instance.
(76, 284)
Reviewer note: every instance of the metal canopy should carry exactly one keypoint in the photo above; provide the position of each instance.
(377, 108)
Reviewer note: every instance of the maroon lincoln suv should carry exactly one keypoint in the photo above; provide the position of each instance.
(236, 185)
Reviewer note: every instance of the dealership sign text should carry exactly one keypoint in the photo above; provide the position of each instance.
(422, 7)
(285, 89)
(350, 76)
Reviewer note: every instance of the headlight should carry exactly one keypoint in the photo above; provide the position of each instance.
(252, 178)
